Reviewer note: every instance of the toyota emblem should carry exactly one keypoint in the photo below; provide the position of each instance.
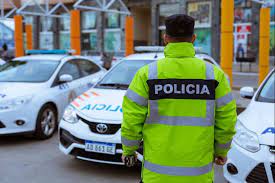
(101, 128)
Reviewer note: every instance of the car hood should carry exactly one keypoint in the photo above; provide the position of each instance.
(100, 105)
(10, 90)
(259, 118)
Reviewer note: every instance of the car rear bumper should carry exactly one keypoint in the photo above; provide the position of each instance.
(251, 167)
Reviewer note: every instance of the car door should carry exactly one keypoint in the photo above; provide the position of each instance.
(90, 74)
(66, 92)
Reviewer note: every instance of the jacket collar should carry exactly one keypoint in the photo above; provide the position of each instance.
(179, 50)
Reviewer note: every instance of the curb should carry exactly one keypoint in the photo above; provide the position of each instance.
(236, 88)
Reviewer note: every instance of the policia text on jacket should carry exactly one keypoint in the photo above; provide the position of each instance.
(182, 109)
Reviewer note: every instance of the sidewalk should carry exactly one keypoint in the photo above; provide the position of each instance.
(241, 102)
(246, 74)
(241, 79)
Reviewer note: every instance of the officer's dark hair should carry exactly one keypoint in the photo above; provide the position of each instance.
(180, 27)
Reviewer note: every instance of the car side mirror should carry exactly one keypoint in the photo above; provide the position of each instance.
(247, 92)
(65, 78)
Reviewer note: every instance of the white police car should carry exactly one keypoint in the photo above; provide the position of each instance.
(36, 89)
(252, 156)
(90, 128)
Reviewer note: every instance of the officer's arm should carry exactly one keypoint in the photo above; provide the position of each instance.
(135, 105)
(225, 116)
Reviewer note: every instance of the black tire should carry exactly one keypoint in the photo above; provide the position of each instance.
(42, 123)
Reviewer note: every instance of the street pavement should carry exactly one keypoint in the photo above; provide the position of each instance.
(241, 79)
(26, 160)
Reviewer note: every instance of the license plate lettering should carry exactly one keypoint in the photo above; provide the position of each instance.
(99, 147)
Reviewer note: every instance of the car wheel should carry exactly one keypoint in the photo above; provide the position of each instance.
(46, 123)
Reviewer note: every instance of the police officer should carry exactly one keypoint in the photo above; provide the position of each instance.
(182, 109)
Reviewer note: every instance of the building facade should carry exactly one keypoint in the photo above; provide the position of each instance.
(104, 32)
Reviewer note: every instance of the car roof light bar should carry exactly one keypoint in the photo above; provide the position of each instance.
(57, 52)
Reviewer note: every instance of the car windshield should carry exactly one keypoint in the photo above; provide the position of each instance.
(122, 74)
(267, 93)
(27, 71)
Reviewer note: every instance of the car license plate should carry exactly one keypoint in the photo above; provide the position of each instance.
(100, 147)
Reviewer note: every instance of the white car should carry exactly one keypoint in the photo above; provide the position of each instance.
(252, 156)
(2, 62)
(36, 89)
(90, 128)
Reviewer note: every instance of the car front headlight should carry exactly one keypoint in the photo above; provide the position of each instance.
(246, 138)
(13, 103)
(70, 115)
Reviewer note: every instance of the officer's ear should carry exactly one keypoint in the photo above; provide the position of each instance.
(194, 38)
(165, 39)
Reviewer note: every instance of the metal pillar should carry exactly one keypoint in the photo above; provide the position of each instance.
(29, 40)
(75, 32)
(129, 35)
(215, 30)
(264, 43)
(18, 36)
(56, 33)
(101, 32)
(36, 32)
(255, 29)
(154, 24)
(227, 20)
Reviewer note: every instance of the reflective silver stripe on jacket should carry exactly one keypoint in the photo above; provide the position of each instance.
(136, 97)
(222, 101)
(155, 118)
(130, 143)
(178, 171)
(223, 146)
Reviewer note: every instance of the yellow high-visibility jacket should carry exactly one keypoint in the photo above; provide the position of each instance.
(183, 110)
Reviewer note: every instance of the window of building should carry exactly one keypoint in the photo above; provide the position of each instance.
(46, 33)
(6, 36)
(64, 33)
(88, 20)
(89, 31)
(166, 10)
(112, 20)
(65, 22)
(201, 11)
(113, 39)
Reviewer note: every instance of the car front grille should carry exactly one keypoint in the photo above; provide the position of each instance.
(2, 125)
(96, 156)
(257, 175)
(273, 170)
(111, 128)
